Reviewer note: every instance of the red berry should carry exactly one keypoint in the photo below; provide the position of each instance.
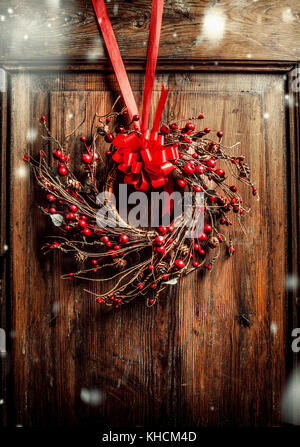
(117, 247)
(161, 249)
(83, 139)
(63, 170)
(112, 253)
(220, 134)
(120, 129)
(159, 240)
(197, 189)
(73, 208)
(104, 239)
(173, 126)
(207, 228)
(50, 198)
(202, 236)
(154, 286)
(200, 169)
(201, 252)
(195, 155)
(212, 199)
(233, 188)
(189, 169)
(220, 172)
(124, 238)
(87, 158)
(165, 129)
(43, 118)
(162, 229)
(233, 201)
(170, 228)
(107, 120)
(179, 263)
(190, 126)
(211, 163)
(200, 117)
(109, 137)
(52, 210)
(196, 264)
(187, 140)
(70, 216)
(86, 232)
(151, 301)
(181, 183)
(82, 223)
(135, 118)
(151, 267)
(57, 154)
(67, 227)
(206, 130)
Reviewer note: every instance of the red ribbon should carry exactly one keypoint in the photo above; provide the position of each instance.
(115, 57)
(153, 47)
(141, 156)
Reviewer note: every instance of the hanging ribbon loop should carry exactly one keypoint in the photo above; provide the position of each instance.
(141, 155)
(153, 47)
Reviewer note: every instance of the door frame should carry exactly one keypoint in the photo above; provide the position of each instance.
(225, 66)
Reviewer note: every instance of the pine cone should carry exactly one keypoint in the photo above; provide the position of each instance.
(162, 267)
(120, 263)
(177, 173)
(213, 242)
(184, 250)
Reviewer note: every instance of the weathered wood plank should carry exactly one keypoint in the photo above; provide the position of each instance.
(4, 248)
(192, 29)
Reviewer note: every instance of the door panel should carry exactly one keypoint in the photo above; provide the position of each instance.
(212, 351)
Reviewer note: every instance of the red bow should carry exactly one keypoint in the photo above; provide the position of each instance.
(144, 159)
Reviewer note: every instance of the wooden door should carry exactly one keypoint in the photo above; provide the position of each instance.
(214, 350)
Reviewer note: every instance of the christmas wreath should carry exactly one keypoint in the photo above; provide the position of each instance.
(173, 158)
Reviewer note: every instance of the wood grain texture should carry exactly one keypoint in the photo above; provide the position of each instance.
(189, 360)
(192, 29)
(4, 366)
(294, 201)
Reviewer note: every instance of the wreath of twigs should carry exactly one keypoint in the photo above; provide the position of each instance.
(142, 262)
